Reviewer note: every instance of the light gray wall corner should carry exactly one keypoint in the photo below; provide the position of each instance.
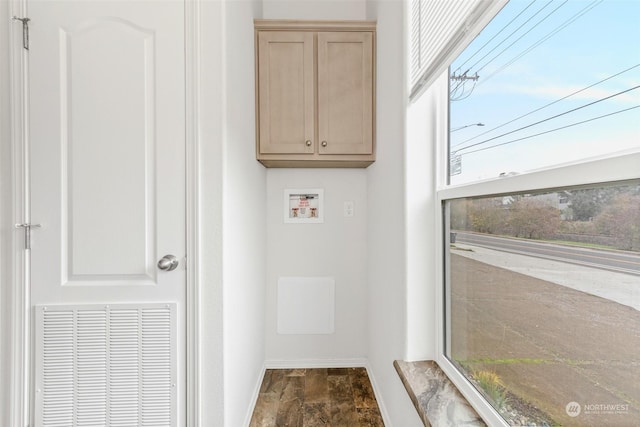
(5, 211)
(425, 122)
(387, 266)
(244, 208)
(211, 411)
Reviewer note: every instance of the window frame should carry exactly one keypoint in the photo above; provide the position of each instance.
(620, 167)
(617, 167)
(458, 24)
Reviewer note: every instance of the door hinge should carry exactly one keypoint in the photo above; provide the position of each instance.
(25, 31)
(27, 233)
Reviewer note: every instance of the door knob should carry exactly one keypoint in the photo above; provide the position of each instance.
(168, 263)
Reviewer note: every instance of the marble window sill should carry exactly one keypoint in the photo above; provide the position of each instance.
(437, 400)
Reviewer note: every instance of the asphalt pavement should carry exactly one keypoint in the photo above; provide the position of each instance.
(612, 260)
(623, 288)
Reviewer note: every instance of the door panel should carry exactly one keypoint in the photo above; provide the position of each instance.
(107, 142)
(114, 134)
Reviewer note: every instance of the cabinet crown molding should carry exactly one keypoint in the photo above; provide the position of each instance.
(304, 25)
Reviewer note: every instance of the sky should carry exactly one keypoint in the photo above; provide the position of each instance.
(533, 54)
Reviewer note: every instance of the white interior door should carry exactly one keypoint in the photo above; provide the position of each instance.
(107, 143)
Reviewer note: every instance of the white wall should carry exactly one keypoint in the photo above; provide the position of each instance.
(211, 381)
(425, 125)
(336, 248)
(339, 245)
(244, 233)
(314, 9)
(387, 290)
(5, 210)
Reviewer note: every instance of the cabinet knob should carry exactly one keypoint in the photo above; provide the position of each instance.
(324, 143)
(308, 142)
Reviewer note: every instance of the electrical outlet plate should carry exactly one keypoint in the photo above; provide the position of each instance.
(348, 209)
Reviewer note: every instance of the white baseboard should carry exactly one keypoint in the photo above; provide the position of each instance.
(315, 363)
(378, 394)
(254, 398)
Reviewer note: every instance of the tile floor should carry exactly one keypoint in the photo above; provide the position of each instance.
(336, 397)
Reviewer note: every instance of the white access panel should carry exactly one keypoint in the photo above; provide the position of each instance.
(107, 366)
(306, 305)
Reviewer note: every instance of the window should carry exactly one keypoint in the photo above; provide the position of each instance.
(543, 302)
(542, 183)
(546, 83)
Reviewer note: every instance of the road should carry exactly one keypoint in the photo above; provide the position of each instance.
(618, 261)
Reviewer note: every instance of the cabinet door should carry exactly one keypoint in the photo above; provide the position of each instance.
(345, 92)
(286, 92)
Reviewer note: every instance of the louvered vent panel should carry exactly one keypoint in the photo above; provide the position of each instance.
(106, 366)
(57, 388)
(157, 369)
(91, 368)
(124, 378)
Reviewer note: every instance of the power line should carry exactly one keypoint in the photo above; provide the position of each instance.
(520, 38)
(467, 94)
(496, 35)
(512, 33)
(463, 96)
(549, 118)
(544, 38)
(467, 126)
(548, 105)
(461, 83)
(553, 130)
(453, 93)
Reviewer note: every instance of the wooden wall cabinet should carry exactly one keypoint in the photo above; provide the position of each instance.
(315, 93)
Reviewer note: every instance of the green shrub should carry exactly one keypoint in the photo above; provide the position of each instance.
(491, 384)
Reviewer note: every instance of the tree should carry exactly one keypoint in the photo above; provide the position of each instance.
(621, 220)
(533, 218)
(487, 215)
(586, 204)
(458, 214)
